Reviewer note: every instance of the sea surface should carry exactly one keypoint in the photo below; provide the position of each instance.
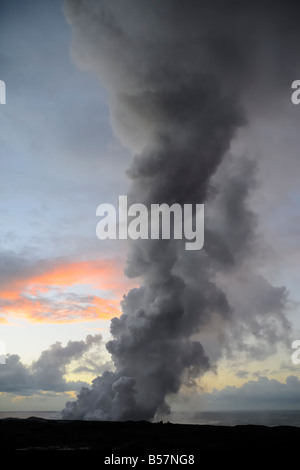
(215, 418)
(234, 418)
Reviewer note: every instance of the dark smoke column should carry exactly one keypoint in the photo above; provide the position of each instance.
(173, 71)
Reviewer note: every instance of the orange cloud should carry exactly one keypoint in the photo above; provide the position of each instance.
(67, 292)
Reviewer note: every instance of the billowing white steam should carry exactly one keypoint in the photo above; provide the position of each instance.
(175, 73)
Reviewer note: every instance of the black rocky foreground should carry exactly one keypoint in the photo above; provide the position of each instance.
(116, 439)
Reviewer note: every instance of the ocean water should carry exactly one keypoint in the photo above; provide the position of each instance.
(214, 418)
(234, 418)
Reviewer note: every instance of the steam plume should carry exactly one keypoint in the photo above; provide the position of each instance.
(177, 74)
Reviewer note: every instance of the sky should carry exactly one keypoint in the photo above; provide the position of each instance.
(73, 120)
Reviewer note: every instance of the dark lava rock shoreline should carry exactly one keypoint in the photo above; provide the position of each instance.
(142, 438)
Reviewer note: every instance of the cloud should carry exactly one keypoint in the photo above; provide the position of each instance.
(263, 394)
(242, 374)
(48, 372)
(47, 291)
